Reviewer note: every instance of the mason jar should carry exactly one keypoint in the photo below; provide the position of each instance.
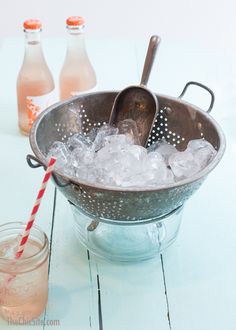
(24, 281)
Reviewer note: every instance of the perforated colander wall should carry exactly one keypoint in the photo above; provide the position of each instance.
(161, 130)
(177, 122)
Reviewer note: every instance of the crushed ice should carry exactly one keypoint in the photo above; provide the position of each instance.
(111, 156)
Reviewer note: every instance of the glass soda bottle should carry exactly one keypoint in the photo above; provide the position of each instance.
(77, 74)
(35, 85)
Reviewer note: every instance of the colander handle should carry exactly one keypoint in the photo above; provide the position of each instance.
(34, 162)
(202, 86)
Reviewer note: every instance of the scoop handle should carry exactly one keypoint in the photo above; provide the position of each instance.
(149, 60)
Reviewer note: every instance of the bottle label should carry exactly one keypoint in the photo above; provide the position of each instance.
(36, 104)
(76, 93)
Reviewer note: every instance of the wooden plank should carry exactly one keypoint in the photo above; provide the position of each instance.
(95, 294)
(19, 183)
(132, 295)
(99, 294)
(71, 287)
(199, 268)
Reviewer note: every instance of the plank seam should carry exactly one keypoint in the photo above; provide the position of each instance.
(99, 304)
(91, 287)
(166, 293)
(50, 245)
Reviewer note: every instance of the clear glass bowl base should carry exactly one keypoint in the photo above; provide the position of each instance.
(126, 241)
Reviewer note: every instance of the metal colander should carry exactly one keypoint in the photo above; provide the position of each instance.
(177, 122)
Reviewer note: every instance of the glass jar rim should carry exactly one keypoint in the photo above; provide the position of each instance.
(18, 225)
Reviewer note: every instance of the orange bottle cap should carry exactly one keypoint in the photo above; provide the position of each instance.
(32, 24)
(75, 21)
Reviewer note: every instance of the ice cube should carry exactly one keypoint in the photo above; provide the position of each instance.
(81, 150)
(105, 130)
(82, 156)
(163, 148)
(129, 127)
(138, 180)
(155, 160)
(81, 172)
(147, 177)
(202, 151)
(119, 139)
(78, 140)
(136, 151)
(87, 173)
(60, 151)
(9, 249)
(198, 144)
(91, 135)
(170, 178)
(183, 164)
(106, 154)
(119, 162)
(156, 164)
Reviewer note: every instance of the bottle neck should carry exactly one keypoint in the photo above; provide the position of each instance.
(75, 42)
(33, 49)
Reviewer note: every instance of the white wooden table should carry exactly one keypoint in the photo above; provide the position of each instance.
(192, 284)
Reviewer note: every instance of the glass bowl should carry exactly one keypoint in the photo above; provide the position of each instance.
(126, 241)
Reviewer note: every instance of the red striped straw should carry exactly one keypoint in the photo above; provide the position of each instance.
(35, 209)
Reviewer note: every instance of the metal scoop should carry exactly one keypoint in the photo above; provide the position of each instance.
(137, 102)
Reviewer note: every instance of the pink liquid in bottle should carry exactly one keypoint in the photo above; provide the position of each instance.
(35, 85)
(77, 74)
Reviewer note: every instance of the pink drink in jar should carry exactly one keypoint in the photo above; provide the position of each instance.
(23, 282)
